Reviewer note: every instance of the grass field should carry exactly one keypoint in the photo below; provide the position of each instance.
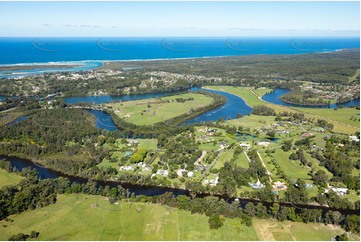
(226, 155)
(8, 178)
(280, 231)
(292, 168)
(242, 161)
(262, 91)
(339, 118)
(151, 111)
(73, 218)
(269, 165)
(253, 121)
(243, 92)
(341, 115)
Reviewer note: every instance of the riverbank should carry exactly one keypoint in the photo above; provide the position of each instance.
(148, 190)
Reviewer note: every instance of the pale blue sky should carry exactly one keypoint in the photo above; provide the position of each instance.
(82, 19)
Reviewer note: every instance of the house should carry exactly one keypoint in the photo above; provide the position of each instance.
(309, 185)
(338, 190)
(200, 167)
(190, 174)
(180, 172)
(223, 144)
(354, 138)
(257, 185)
(243, 145)
(319, 129)
(264, 143)
(212, 182)
(279, 186)
(306, 135)
(128, 154)
(132, 141)
(162, 172)
(126, 168)
(282, 124)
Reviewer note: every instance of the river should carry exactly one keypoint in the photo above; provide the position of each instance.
(234, 105)
(277, 93)
(147, 190)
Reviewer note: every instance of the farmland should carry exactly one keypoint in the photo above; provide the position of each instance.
(86, 217)
(151, 111)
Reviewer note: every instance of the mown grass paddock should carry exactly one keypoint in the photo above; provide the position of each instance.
(340, 118)
(151, 111)
(274, 230)
(87, 217)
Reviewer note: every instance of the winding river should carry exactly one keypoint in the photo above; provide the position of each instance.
(233, 106)
(277, 93)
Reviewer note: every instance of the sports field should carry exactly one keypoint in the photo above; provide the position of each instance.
(8, 178)
(151, 111)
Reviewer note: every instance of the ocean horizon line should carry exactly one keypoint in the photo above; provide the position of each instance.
(161, 59)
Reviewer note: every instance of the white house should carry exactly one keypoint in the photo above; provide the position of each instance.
(212, 182)
(264, 143)
(243, 145)
(162, 172)
(190, 174)
(126, 168)
(354, 138)
(180, 172)
(257, 185)
(338, 190)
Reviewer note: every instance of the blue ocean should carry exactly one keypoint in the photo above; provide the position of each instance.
(44, 50)
(90, 53)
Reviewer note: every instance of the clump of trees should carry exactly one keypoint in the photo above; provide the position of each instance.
(24, 237)
(263, 111)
